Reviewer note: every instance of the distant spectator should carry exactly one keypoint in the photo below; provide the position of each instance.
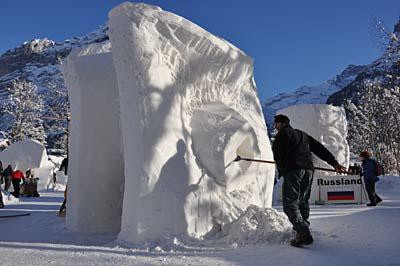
(355, 169)
(7, 177)
(1, 173)
(370, 178)
(1, 200)
(16, 178)
(1, 182)
(64, 166)
(63, 208)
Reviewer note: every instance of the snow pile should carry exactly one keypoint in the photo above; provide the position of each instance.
(55, 187)
(8, 198)
(388, 183)
(258, 225)
(188, 106)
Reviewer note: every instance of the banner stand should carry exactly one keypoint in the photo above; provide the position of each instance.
(338, 189)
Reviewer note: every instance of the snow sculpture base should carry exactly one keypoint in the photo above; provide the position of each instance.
(96, 176)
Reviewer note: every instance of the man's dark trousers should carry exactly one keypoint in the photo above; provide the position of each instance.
(370, 187)
(296, 192)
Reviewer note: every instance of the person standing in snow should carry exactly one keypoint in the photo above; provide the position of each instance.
(2, 180)
(355, 169)
(7, 177)
(63, 208)
(64, 166)
(292, 153)
(370, 178)
(16, 177)
(1, 200)
(1, 171)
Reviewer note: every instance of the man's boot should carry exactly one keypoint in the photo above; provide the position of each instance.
(304, 238)
(371, 204)
(378, 200)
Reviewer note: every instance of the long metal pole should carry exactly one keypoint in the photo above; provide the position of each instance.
(264, 161)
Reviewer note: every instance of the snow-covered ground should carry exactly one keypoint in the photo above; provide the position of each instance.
(344, 235)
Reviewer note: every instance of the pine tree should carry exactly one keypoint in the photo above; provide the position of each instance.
(374, 119)
(56, 117)
(374, 123)
(24, 110)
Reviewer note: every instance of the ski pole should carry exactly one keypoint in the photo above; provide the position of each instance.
(238, 158)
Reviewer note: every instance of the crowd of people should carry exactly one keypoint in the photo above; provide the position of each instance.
(15, 177)
(18, 178)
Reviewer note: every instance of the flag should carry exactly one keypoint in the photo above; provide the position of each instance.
(340, 195)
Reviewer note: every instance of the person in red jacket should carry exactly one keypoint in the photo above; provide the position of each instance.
(16, 177)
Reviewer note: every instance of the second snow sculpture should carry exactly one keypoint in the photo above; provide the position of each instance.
(188, 107)
(96, 176)
(325, 123)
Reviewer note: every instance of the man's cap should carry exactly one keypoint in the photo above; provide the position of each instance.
(282, 119)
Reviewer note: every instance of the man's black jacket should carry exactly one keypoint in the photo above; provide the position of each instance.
(292, 150)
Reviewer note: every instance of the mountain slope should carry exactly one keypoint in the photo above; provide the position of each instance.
(311, 94)
(344, 86)
(38, 61)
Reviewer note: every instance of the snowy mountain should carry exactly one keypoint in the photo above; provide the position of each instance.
(385, 69)
(38, 61)
(311, 94)
(342, 86)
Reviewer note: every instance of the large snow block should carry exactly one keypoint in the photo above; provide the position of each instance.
(96, 165)
(188, 107)
(24, 155)
(325, 123)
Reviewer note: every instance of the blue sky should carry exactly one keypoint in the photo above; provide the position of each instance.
(293, 42)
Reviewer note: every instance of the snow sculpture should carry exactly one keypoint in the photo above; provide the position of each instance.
(25, 154)
(96, 175)
(188, 107)
(325, 123)
(29, 154)
(183, 103)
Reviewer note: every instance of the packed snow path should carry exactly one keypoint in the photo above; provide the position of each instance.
(344, 235)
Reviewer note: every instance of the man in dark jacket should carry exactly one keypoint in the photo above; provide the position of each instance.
(370, 177)
(292, 153)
